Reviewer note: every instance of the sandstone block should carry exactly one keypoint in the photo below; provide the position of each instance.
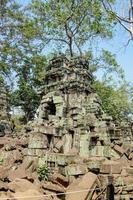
(75, 169)
(111, 167)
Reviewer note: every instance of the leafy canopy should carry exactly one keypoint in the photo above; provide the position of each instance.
(116, 101)
(70, 23)
(30, 34)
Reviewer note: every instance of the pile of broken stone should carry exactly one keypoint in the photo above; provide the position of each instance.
(19, 178)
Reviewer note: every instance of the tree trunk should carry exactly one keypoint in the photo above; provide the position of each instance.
(70, 47)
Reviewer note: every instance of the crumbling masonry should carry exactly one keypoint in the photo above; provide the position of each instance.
(70, 119)
(71, 133)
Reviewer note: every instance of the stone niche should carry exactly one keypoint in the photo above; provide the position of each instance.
(51, 105)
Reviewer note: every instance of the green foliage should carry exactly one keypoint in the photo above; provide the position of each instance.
(110, 63)
(43, 172)
(106, 64)
(27, 98)
(71, 24)
(65, 25)
(20, 58)
(115, 101)
(17, 123)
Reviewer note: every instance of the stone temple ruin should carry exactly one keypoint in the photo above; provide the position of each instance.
(73, 136)
(71, 133)
(4, 110)
(70, 119)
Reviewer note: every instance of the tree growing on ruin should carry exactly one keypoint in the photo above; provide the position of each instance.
(28, 34)
(71, 24)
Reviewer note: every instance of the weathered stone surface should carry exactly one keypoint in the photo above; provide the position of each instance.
(95, 163)
(111, 167)
(23, 171)
(119, 149)
(11, 157)
(38, 141)
(53, 187)
(18, 173)
(131, 156)
(3, 172)
(24, 188)
(60, 179)
(76, 169)
(87, 183)
(129, 171)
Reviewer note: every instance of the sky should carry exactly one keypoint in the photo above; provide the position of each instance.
(125, 59)
(117, 45)
(124, 53)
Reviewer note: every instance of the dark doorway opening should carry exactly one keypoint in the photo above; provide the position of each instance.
(50, 137)
(51, 108)
(71, 132)
(93, 142)
(92, 128)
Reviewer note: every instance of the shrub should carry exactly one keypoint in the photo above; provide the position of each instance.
(43, 172)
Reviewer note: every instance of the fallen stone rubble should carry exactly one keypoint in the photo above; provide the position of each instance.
(18, 175)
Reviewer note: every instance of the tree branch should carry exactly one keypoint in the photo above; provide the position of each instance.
(78, 25)
(119, 18)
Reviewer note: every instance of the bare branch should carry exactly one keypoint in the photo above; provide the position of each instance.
(127, 29)
(58, 39)
(128, 42)
(120, 19)
(78, 25)
(125, 19)
(78, 47)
